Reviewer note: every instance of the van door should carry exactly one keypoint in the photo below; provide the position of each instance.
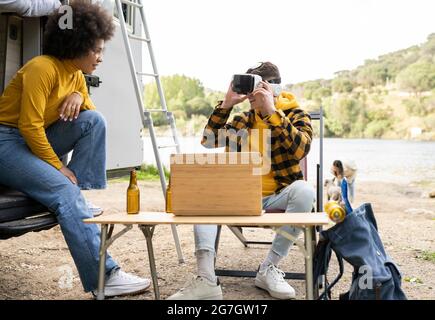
(11, 47)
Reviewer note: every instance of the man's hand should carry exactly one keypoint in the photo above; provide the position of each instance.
(232, 98)
(70, 107)
(262, 100)
(69, 174)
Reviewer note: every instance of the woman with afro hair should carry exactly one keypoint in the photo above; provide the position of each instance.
(46, 112)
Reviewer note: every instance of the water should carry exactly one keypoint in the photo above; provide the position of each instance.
(395, 161)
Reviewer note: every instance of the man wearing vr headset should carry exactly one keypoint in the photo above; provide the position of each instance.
(283, 186)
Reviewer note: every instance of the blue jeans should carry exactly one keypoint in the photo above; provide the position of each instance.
(20, 169)
(297, 197)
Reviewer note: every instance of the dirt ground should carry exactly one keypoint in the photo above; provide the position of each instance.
(39, 266)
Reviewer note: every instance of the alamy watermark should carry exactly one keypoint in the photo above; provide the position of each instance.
(248, 143)
(67, 277)
(66, 20)
(366, 279)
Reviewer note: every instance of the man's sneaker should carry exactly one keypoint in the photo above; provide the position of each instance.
(198, 288)
(272, 280)
(120, 283)
(95, 210)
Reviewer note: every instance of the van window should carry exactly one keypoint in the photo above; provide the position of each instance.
(128, 15)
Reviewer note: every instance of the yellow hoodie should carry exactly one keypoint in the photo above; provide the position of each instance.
(284, 101)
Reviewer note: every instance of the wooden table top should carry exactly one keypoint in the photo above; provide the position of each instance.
(267, 219)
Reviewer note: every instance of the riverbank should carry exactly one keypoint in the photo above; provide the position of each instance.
(38, 265)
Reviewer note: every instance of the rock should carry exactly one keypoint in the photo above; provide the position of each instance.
(432, 194)
(419, 211)
(412, 193)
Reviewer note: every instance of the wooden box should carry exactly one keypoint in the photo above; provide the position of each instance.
(216, 184)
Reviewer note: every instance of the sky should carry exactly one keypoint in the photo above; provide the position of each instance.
(306, 39)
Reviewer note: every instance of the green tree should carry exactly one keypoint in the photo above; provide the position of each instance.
(213, 97)
(321, 93)
(417, 77)
(346, 117)
(177, 88)
(198, 106)
(376, 129)
(429, 47)
(372, 75)
(342, 85)
(310, 87)
(380, 121)
(184, 96)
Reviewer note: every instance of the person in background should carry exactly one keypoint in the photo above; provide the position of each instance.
(45, 113)
(345, 169)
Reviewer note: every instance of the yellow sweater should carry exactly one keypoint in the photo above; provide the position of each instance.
(285, 101)
(269, 185)
(32, 99)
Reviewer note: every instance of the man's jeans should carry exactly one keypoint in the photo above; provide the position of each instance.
(297, 197)
(20, 169)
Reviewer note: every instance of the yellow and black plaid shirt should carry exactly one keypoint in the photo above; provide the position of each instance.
(291, 135)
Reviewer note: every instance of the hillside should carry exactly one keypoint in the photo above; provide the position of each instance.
(389, 97)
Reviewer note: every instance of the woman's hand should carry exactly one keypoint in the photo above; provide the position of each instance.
(69, 174)
(70, 107)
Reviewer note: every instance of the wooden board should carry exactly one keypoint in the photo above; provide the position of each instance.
(216, 184)
(269, 219)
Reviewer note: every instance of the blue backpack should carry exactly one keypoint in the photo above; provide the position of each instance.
(357, 241)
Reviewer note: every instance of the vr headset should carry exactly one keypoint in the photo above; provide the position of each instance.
(246, 83)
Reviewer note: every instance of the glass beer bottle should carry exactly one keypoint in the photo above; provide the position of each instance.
(133, 195)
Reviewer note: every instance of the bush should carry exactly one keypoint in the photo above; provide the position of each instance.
(321, 93)
(417, 77)
(376, 129)
(342, 85)
(429, 122)
(417, 106)
(150, 172)
(377, 99)
(198, 106)
(345, 117)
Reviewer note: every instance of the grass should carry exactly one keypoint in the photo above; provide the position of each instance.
(150, 172)
(424, 183)
(413, 280)
(428, 256)
(147, 172)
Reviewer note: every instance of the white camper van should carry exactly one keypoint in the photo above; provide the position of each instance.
(110, 87)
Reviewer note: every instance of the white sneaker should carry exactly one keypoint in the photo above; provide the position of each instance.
(120, 283)
(272, 280)
(95, 210)
(198, 288)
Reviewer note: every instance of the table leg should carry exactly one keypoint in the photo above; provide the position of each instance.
(309, 282)
(148, 232)
(316, 281)
(102, 266)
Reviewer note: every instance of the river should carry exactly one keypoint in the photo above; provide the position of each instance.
(396, 161)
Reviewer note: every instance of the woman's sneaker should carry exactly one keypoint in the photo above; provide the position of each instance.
(95, 210)
(272, 280)
(198, 288)
(121, 283)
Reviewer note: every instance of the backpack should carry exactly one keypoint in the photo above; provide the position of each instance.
(356, 240)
